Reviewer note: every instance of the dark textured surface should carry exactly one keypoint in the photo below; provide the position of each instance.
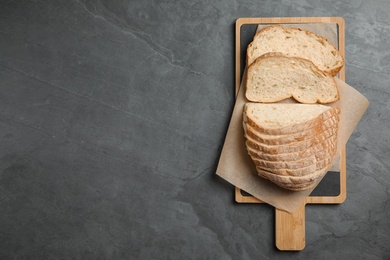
(113, 116)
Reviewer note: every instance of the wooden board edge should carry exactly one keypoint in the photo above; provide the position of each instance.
(273, 20)
(245, 199)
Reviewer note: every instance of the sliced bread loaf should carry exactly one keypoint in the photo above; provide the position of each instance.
(277, 77)
(296, 42)
(295, 141)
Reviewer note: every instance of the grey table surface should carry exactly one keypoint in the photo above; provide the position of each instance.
(113, 116)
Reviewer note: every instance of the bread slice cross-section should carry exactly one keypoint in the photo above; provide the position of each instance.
(296, 42)
(277, 77)
(285, 118)
(291, 145)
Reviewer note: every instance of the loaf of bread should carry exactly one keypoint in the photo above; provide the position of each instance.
(295, 42)
(272, 78)
(297, 142)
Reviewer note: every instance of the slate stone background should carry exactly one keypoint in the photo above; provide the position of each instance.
(112, 119)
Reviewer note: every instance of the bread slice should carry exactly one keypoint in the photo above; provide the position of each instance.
(296, 42)
(303, 162)
(320, 151)
(301, 171)
(290, 147)
(328, 151)
(286, 118)
(277, 77)
(295, 137)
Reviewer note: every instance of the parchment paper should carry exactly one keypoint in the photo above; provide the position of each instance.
(236, 166)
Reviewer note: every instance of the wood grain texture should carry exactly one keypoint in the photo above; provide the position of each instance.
(290, 229)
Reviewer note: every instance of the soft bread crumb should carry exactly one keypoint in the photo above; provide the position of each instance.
(277, 77)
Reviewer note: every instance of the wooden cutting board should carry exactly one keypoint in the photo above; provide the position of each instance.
(290, 228)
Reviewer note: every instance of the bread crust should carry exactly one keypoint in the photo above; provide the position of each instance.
(332, 71)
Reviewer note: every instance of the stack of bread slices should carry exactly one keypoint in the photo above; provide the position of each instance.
(292, 144)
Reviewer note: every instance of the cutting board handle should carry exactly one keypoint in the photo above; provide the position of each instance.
(290, 229)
